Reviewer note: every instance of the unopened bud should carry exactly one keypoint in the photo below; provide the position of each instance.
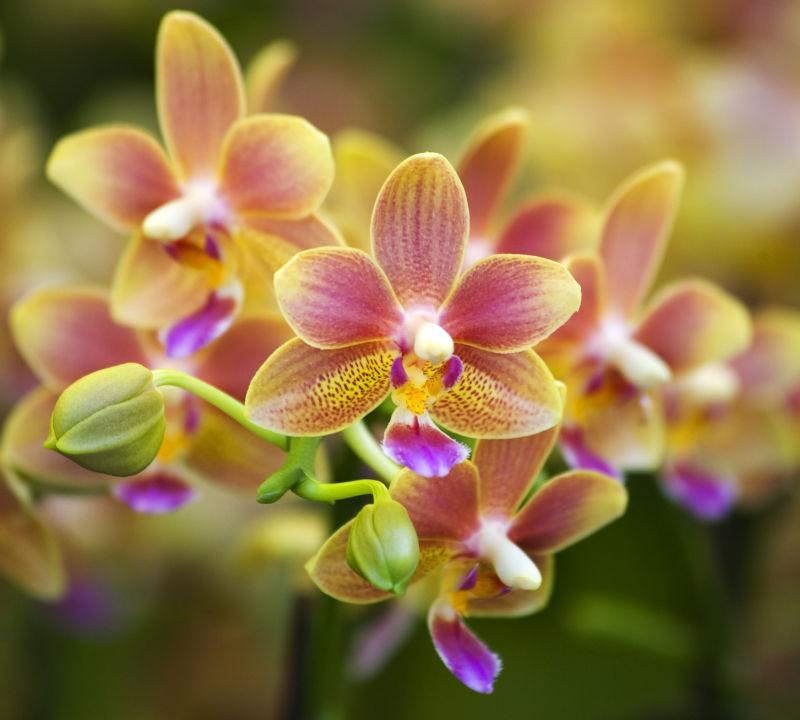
(111, 421)
(383, 546)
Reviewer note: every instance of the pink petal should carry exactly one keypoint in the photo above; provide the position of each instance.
(566, 509)
(508, 469)
(508, 303)
(489, 163)
(587, 269)
(419, 229)
(154, 493)
(119, 173)
(377, 641)
(64, 334)
(579, 456)
(703, 494)
(416, 443)
(462, 652)
(638, 221)
(334, 297)
(199, 91)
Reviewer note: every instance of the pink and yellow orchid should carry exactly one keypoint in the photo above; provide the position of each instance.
(211, 220)
(490, 540)
(614, 355)
(450, 349)
(65, 334)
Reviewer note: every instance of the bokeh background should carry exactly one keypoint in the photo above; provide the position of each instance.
(205, 614)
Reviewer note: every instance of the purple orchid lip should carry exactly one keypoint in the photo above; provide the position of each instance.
(452, 372)
(705, 495)
(470, 579)
(398, 374)
(154, 494)
(416, 443)
(194, 332)
(579, 457)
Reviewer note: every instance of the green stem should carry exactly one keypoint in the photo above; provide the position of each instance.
(331, 492)
(362, 443)
(220, 400)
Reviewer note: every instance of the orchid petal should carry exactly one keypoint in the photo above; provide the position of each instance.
(230, 363)
(517, 603)
(705, 495)
(499, 396)
(29, 554)
(199, 91)
(277, 165)
(154, 493)
(304, 391)
(305, 233)
(64, 334)
(694, 322)
(462, 652)
(508, 469)
(265, 74)
(489, 162)
(335, 297)
(151, 290)
(330, 572)
(377, 641)
(419, 229)
(508, 303)
(566, 509)
(579, 457)
(550, 227)
(443, 508)
(118, 173)
(638, 220)
(587, 269)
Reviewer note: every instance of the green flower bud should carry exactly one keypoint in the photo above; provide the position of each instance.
(383, 546)
(111, 421)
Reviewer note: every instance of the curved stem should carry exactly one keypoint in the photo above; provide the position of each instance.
(362, 443)
(220, 400)
(331, 492)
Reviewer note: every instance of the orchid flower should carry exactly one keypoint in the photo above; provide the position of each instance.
(730, 435)
(491, 539)
(615, 355)
(65, 334)
(211, 220)
(450, 349)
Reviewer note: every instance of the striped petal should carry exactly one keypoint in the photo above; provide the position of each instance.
(694, 322)
(517, 603)
(334, 297)
(304, 391)
(118, 173)
(199, 91)
(278, 165)
(331, 573)
(508, 303)
(64, 334)
(151, 289)
(550, 227)
(508, 469)
(443, 508)
(638, 220)
(566, 509)
(230, 363)
(419, 229)
(500, 396)
(489, 162)
(265, 74)
(463, 653)
(29, 554)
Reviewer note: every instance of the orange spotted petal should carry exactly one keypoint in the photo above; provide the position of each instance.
(518, 603)
(64, 334)
(301, 390)
(566, 509)
(331, 573)
(277, 165)
(335, 297)
(637, 223)
(488, 164)
(152, 290)
(265, 75)
(29, 554)
(419, 229)
(117, 172)
(508, 469)
(444, 508)
(199, 92)
(507, 303)
(694, 322)
(500, 396)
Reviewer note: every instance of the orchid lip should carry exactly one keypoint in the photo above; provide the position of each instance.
(512, 565)
(199, 205)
